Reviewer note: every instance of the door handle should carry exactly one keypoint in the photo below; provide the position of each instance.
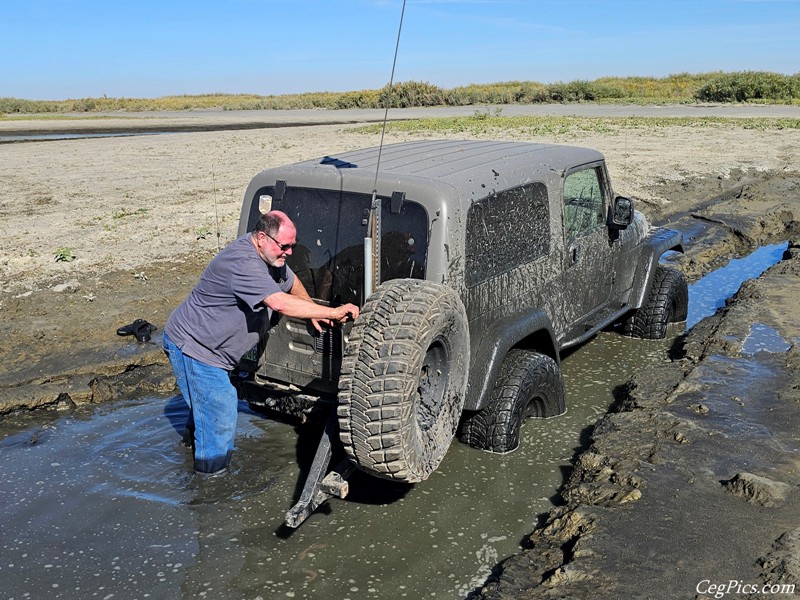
(574, 254)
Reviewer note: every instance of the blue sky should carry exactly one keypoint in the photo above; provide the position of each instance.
(56, 49)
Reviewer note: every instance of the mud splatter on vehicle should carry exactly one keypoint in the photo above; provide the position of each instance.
(491, 258)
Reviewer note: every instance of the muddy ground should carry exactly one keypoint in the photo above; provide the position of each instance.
(694, 478)
(690, 486)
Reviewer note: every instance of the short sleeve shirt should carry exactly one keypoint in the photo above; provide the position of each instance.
(224, 316)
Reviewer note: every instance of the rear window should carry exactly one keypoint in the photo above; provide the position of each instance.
(331, 225)
(506, 230)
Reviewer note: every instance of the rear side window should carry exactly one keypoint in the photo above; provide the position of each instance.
(331, 225)
(506, 230)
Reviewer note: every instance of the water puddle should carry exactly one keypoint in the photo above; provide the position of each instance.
(45, 137)
(763, 338)
(710, 293)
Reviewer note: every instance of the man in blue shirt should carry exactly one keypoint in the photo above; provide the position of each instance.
(224, 316)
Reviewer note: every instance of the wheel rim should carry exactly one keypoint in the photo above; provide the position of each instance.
(432, 387)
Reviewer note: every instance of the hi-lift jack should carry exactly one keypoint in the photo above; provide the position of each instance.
(322, 484)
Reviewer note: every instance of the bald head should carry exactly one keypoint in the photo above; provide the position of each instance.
(271, 222)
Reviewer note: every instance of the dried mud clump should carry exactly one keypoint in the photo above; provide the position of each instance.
(782, 564)
(757, 489)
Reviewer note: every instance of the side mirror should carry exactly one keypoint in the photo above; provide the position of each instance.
(621, 214)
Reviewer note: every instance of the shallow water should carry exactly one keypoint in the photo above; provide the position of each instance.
(709, 293)
(48, 137)
(99, 502)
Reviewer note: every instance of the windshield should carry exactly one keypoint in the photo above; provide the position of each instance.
(331, 226)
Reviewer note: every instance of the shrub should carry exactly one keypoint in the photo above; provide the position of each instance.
(575, 91)
(507, 92)
(362, 99)
(64, 255)
(749, 85)
(411, 93)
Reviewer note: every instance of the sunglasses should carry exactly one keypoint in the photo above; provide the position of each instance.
(283, 247)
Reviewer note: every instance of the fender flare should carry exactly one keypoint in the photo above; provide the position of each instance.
(503, 335)
(658, 241)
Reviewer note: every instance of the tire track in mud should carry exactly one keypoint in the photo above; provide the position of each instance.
(732, 216)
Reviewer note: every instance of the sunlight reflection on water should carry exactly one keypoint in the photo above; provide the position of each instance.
(710, 293)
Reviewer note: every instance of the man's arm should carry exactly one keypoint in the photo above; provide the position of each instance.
(299, 290)
(297, 303)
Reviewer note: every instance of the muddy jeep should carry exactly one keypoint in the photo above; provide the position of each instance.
(476, 263)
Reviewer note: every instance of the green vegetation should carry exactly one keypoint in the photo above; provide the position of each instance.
(483, 122)
(202, 233)
(748, 86)
(751, 87)
(65, 255)
(121, 214)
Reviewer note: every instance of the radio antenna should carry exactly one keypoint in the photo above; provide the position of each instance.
(372, 244)
(389, 92)
(216, 211)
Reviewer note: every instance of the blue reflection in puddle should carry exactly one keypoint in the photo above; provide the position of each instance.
(763, 338)
(710, 293)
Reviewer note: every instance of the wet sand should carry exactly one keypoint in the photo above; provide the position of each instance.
(143, 215)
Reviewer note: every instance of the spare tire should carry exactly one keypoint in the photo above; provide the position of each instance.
(403, 379)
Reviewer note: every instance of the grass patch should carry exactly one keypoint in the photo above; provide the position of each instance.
(482, 123)
(121, 214)
(55, 117)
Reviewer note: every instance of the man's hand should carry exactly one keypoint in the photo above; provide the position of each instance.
(342, 314)
(346, 312)
(318, 323)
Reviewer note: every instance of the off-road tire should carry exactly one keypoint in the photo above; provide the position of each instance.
(403, 379)
(529, 385)
(667, 302)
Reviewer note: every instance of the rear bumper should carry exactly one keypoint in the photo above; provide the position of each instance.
(273, 397)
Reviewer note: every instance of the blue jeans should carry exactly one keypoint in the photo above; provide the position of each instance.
(213, 408)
